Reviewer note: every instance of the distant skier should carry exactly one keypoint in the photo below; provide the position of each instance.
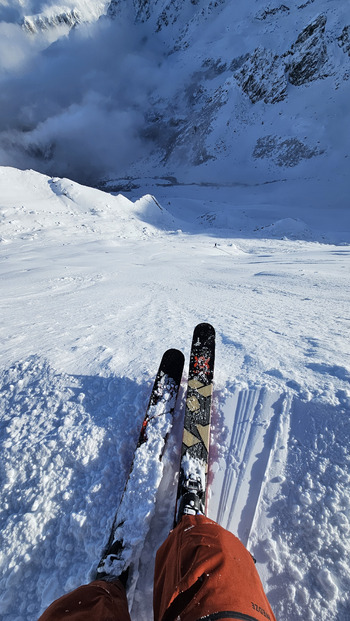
(202, 573)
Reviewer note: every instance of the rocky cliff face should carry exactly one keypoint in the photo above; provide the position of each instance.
(265, 75)
(243, 69)
(41, 23)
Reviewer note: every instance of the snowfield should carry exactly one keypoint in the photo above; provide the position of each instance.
(94, 288)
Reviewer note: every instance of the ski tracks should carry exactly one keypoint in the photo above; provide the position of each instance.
(253, 419)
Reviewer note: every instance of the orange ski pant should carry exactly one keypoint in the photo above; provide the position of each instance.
(202, 573)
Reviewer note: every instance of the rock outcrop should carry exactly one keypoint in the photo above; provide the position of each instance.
(307, 59)
(36, 23)
(284, 151)
(262, 77)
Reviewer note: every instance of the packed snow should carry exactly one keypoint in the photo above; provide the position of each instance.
(94, 288)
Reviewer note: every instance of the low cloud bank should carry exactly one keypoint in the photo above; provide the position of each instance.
(77, 108)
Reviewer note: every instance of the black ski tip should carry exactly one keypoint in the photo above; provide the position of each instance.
(205, 326)
(173, 355)
(172, 364)
(204, 331)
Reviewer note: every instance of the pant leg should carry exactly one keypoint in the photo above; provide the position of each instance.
(202, 569)
(97, 601)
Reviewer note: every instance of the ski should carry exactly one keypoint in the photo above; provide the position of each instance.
(133, 516)
(192, 485)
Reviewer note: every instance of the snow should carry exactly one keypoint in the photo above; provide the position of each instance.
(230, 212)
(94, 288)
(136, 509)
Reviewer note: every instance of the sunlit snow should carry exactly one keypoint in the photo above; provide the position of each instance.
(94, 288)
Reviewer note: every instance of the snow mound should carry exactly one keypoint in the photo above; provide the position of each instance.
(149, 210)
(287, 228)
(34, 205)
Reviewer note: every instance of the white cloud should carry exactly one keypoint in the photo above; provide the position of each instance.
(77, 107)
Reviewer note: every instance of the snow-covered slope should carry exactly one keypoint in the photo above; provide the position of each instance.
(94, 288)
(259, 90)
(200, 91)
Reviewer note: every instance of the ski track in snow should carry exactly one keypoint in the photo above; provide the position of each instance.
(88, 307)
(250, 418)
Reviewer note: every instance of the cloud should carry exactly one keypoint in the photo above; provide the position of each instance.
(77, 108)
(15, 48)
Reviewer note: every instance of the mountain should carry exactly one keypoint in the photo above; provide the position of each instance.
(214, 92)
(257, 88)
(37, 17)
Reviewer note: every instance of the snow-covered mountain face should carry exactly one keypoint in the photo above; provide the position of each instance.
(218, 91)
(37, 16)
